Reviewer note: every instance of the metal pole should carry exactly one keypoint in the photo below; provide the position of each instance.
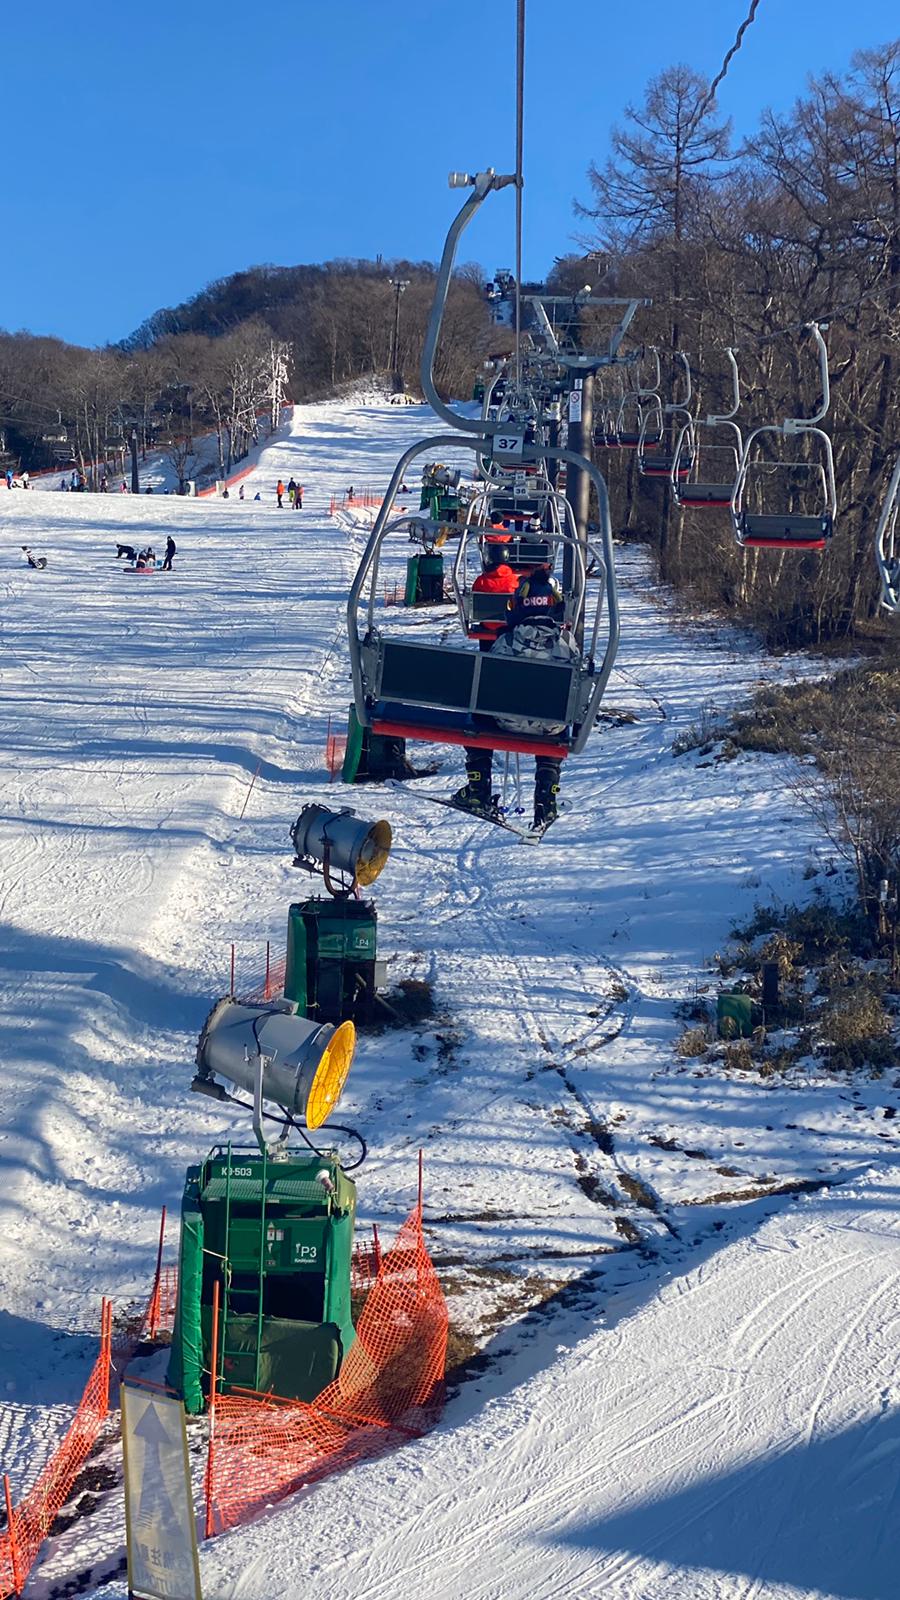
(154, 1302)
(13, 1544)
(135, 480)
(578, 484)
(553, 431)
(398, 285)
(520, 99)
(214, 1353)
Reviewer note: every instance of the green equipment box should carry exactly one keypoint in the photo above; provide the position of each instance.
(331, 949)
(277, 1236)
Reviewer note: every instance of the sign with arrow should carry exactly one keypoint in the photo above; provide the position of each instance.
(159, 1504)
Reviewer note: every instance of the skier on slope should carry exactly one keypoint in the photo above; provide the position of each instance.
(279, 494)
(171, 548)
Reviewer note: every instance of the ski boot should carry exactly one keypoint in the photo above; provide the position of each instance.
(473, 800)
(546, 788)
(475, 795)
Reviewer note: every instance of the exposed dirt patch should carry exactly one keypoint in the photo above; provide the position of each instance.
(763, 1189)
(91, 1483)
(638, 1192)
(590, 1184)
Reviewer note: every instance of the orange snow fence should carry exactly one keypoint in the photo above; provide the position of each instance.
(389, 1389)
(28, 1524)
(366, 499)
(335, 751)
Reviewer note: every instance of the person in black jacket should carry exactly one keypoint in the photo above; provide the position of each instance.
(537, 601)
(171, 548)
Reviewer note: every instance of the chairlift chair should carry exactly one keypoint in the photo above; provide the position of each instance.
(448, 694)
(714, 490)
(453, 694)
(887, 544)
(481, 612)
(789, 530)
(654, 460)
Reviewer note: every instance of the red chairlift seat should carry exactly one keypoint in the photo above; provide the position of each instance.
(785, 532)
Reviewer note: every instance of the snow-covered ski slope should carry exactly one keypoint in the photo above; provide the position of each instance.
(687, 1386)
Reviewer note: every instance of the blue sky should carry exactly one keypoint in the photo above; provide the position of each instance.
(163, 146)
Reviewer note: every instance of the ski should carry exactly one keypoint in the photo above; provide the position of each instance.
(526, 835)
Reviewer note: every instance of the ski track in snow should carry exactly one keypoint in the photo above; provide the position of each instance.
(712, 1413)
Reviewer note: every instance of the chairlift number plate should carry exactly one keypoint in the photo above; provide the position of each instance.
(509, 446)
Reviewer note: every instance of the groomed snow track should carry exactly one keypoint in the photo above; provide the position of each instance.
(673, 1397)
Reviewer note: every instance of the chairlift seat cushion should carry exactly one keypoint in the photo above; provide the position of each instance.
(705, 494)
(785, 530)
(508, 505)
(429, 676)
(661, 466)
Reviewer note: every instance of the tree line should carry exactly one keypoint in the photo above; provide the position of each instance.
(226, 360)
(743, 247)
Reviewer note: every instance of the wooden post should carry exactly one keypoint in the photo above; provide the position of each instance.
(376, 1246)
(18, 1583)
(231, 988)
(420, 1185)
(268, 967)
(209, 1529)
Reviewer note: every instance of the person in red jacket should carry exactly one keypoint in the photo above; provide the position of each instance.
(497, 578)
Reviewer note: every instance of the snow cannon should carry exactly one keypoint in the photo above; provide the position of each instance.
(276, 1056)
(343, 842)
(331, 972)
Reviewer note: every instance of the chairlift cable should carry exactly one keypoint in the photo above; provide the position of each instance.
(520, 113)
(730, 54)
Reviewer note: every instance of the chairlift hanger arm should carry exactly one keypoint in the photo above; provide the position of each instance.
(887, 554)
(683, 403)
(725, 416)
(800, 424)
(482, 184)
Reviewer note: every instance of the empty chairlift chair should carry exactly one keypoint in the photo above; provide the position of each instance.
(709, 485)
(656, 458)
(789, 529)
(887, 544)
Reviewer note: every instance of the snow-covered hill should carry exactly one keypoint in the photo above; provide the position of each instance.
(681, 1393)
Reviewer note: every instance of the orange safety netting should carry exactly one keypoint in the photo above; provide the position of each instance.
(29, 1523)
(390, 1387)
